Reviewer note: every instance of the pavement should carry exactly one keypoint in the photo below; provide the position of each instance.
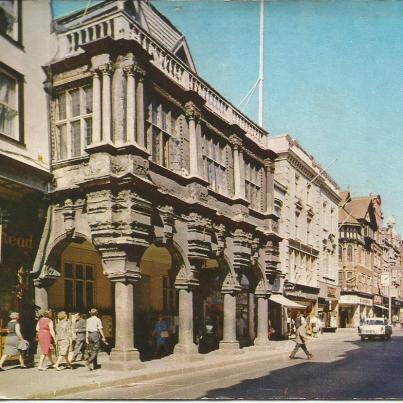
(18, 383)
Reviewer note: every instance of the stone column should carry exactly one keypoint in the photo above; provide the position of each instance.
(140, 109)
(185, 339)
(251, 315)
(262, 321)
(41, 296)
(229, 341)
(106, 104)
(193, 115)
(269, 174)
(123, 272)
(242, 173)
(130, 105)
(237, 172)
(96, 108)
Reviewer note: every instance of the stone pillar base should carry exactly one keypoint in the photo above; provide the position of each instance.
(231, 347)
(124, 360)
(261, 342)
(185, 349)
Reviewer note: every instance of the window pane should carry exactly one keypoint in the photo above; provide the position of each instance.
(75, 139)
(75, 103)
(155, 113)
(156, 145)
(164, 121)
(88, 99)
(79, 295)
(61, 107)
(89, 273)
(165, 150)
(68, 294)
(9, 18)
(88, 131)
(62, 141)
(8, 106)
(90, 294)
(68, 270)
(79, 271)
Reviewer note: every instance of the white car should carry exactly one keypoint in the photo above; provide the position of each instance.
(375, 327)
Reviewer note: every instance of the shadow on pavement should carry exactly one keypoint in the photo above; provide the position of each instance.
(373, 370)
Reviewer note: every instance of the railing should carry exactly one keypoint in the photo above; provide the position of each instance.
(122, 26)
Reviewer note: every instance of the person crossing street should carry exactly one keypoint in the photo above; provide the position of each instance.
(300, 339)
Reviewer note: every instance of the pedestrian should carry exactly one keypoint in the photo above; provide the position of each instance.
(395, 319)
(161, 335)
(63, 339)
(314, 321)
(79, 336)
(300, 339)
(298, 320)
(13, 340)
(46, 333)
(94, 335)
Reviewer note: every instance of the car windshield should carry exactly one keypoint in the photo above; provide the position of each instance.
(374, 322)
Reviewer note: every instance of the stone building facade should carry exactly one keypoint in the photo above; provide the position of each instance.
(162, 197)
(24, 148)
(306, 199)
(360, 258)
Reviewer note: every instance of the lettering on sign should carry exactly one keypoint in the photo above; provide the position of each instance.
(15, 240)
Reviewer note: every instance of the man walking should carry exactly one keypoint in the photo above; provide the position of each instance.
(94, 335)
(300, 338)
(79, 336)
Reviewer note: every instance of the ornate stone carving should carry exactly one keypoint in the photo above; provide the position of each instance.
(199, 235)
(69, 217)
(242, 252)
(261, 288)
(230, 284)
(140, 166)
(218, 240)
(186, 278)
(198, 192)
(192, 111)
(168, 220)
(272, 261)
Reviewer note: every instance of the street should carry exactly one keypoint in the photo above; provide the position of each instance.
(343, 367)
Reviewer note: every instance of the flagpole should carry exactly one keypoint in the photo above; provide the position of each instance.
(261, 65)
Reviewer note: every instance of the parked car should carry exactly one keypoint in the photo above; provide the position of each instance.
(375, 327)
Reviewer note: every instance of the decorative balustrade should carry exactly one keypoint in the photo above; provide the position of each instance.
(122, 26)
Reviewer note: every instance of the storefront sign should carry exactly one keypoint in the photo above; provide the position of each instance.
(354, 300)
(16, 240)
(377, 299)
(331, 292)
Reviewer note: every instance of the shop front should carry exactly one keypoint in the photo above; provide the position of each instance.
(305, 296)
(353, 308)
(379, 309)
(328, 305)
(19, 225)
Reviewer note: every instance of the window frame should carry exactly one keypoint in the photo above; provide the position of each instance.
(19, 79)
(19, 30)
(253, 183)
(69, 120)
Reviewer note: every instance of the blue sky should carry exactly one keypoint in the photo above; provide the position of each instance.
(334, 78)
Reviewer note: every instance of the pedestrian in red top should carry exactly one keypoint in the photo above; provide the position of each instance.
(46, 332)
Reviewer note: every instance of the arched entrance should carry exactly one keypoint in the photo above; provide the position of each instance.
(209, 307)
(155, 294)
(82, 284)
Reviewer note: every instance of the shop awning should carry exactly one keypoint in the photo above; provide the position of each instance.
(381, 307)
(280, 299)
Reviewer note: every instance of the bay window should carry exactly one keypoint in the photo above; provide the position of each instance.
(73, 121)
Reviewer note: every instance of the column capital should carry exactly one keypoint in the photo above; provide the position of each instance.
(269, 165)
(106, 69)
(236, 141)
(192, 111)
(119, 267)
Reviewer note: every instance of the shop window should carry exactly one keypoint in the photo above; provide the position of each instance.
(73, 120)
(10, 19)
(78, 286)
(11, 104)
(253, 183)
(340, 278)
(214, 162)
(340, 253)
(162, 140)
